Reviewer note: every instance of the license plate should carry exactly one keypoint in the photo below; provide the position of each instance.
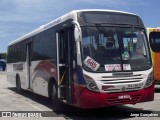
(124, 97)
(137, 85)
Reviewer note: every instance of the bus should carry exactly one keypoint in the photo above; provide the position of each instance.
(85, 58)
(155, 32)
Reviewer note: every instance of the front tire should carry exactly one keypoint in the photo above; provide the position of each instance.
(54, 97)
(18, 85)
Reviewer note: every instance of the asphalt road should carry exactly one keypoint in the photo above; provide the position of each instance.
(29, 103)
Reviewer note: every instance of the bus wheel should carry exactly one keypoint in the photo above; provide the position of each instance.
(18, 85)
(54, 97)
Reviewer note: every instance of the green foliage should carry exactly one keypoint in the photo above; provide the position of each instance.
(3, 55)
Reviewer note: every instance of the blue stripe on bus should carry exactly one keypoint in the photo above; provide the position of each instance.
(81, 79)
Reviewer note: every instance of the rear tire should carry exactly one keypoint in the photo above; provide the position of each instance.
(18, 85)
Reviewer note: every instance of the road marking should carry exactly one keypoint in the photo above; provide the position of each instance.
(8, 92)
(24, 101)
(34, 106)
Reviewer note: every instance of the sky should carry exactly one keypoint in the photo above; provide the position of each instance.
(19, 17)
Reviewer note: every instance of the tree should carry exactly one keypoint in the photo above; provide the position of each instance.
(3, 55)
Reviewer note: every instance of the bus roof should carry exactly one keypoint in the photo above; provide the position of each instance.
(61, 19)
(153, 29)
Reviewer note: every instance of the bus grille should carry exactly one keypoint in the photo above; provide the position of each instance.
(118, 80)
(116, 100)
(113, 84)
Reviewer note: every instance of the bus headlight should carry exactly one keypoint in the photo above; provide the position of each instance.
(150, 80)
(91, 84)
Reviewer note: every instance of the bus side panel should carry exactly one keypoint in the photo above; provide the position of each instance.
(42, 72)
(11, 77)
(157, 66)
(78, 86)
(17, 69)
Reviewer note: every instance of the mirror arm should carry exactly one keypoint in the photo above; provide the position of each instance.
(76, 24)
(79, 38)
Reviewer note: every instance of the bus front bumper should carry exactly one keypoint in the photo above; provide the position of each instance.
(88, 99)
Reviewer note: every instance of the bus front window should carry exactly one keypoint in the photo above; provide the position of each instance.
(114, 49)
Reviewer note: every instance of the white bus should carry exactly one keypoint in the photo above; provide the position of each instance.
(86, 58)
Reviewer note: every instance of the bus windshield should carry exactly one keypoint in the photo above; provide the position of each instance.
(108, 49)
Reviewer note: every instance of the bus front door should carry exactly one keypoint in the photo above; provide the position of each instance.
(28, 59)
(65, 57)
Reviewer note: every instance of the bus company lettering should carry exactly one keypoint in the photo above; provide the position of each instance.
(117, 67)
(18, 67)
(113, 67)
(52, 23)
(126, 67)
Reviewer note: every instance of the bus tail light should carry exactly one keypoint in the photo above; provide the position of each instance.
(150, 80)
(91, 84)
